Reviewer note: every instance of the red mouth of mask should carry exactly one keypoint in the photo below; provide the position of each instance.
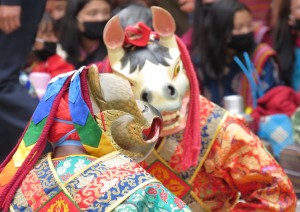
(151, 134)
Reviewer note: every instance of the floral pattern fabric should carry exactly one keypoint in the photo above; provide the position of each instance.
(233, 164)
(68, 166)
(152, 197)
(88, 184)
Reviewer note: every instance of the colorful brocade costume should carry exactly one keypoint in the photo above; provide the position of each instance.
(83, 183)
(207, 157)
(91, 172)
(232, 160)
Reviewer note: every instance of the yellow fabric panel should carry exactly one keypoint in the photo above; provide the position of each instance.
(7, 173)
(22, 153)
(105, 147)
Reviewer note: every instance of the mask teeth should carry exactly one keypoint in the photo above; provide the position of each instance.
(171, 116)
(174, 125)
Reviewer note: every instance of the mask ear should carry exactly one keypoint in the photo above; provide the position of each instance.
(113, 37)
(164, 25)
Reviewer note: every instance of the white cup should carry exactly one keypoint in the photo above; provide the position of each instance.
(39, 80)
(234, 104)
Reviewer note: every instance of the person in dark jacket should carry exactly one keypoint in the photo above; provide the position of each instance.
(18, 24)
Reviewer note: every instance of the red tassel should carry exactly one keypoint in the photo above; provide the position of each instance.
(191, 142)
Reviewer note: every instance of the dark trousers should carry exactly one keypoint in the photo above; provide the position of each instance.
(16, 106)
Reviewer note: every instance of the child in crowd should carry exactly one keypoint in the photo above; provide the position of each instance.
(44, 63)
(44, 50)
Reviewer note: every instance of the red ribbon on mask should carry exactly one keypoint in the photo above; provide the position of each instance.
(138, 35)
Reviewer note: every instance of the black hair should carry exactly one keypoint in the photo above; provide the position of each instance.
(130, 14)
(212, 34)
(69, 35)
(137, 56)
(284, 41)
(239, 6)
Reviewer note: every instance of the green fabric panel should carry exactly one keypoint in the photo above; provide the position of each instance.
(34, 132)
(89, 134)
(152, 197)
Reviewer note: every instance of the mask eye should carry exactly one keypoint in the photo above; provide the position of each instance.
(176, 70)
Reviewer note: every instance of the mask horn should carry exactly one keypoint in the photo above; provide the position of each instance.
(164, 25)
(114, 37)
(94, 86)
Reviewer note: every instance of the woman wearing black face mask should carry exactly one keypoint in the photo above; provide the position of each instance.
(229, 33)
(82, 29)
(257, 64)
(48, 50)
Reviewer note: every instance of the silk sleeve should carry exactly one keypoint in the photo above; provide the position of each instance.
(247, 167)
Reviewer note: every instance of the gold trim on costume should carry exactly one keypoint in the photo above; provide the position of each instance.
(162, 160)
(199, 201)
(63, 184)
(208, 148)
(91, 164)
(162, 144)
(11, 208)
(55, 175)
(62, 157)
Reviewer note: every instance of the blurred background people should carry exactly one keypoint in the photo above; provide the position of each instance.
(132, 13)
(44, 50)
(226, 32)
(56, 10)
(286, 41)
(200, 9)
(45, 62)
(180, 10)
(83, 24)
(260, 9)
(262, 56)
(18, 25)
